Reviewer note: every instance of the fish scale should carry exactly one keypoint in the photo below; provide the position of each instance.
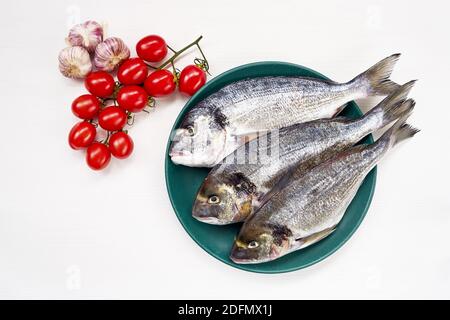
(318, 193)
(279, 106)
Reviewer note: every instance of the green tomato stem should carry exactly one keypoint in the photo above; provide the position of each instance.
(173, 50)
(178, 53)
(204, 59)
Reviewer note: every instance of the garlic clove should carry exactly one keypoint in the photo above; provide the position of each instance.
(75, 62)
(87, 35)
(110, 54)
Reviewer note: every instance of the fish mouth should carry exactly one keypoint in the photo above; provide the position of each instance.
(240, 256)
(210, 220)
(179, 153)
(248, 261)
(186, 158)
(181, 157)
(243, 261)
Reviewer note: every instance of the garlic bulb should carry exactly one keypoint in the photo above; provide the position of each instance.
(75, 62)
(87, 35)
(110, 53)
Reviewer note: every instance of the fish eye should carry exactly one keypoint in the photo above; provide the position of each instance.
(213, 200)
(190, 130)
(253, 244)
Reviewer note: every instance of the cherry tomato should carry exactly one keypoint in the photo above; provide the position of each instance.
(112, 118)
(160, 83)
(82, 135)
(152, 48)
(98, 156)
(132, 71)
(121, 145)
(100, 84)
(86, 106)
(192, 78)
(132, 98)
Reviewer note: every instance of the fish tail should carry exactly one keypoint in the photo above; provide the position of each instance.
(391, 108)
(398, 132)
(375, 81)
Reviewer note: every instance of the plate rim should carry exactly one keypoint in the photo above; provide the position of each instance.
(192, 235)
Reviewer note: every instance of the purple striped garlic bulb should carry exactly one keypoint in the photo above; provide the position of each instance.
(110, 54)
(87, 35)
(74, 62)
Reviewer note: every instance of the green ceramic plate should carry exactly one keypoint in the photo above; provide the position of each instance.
(183, 183)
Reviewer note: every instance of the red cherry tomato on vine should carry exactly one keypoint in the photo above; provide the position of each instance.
(160, 83)
(121, 145)
(98, 156)
(132, 98)
(192, 78)
(82, 135)
(112, 118)
(86, 106)
(132, 71)
(152, 48)
(100, 83)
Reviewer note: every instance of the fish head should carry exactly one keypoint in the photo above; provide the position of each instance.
(257, 243)
(222, 200)
(200, 140)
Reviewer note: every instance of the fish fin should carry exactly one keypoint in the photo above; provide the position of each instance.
(392, 107)
(279, 185)
(384, 114)
(377, 77)
(397, 111)
(338, 111)
(340, 118)
(313, 238)
(233, 142)
(399, 131)
(246, 137)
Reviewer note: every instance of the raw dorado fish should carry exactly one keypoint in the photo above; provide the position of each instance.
(308, 209)
(234, 188)
(228, 118)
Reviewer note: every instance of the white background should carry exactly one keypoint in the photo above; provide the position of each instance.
(68, 232)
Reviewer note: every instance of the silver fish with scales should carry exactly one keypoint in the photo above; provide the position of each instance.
(228, 118)
(307, 209)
